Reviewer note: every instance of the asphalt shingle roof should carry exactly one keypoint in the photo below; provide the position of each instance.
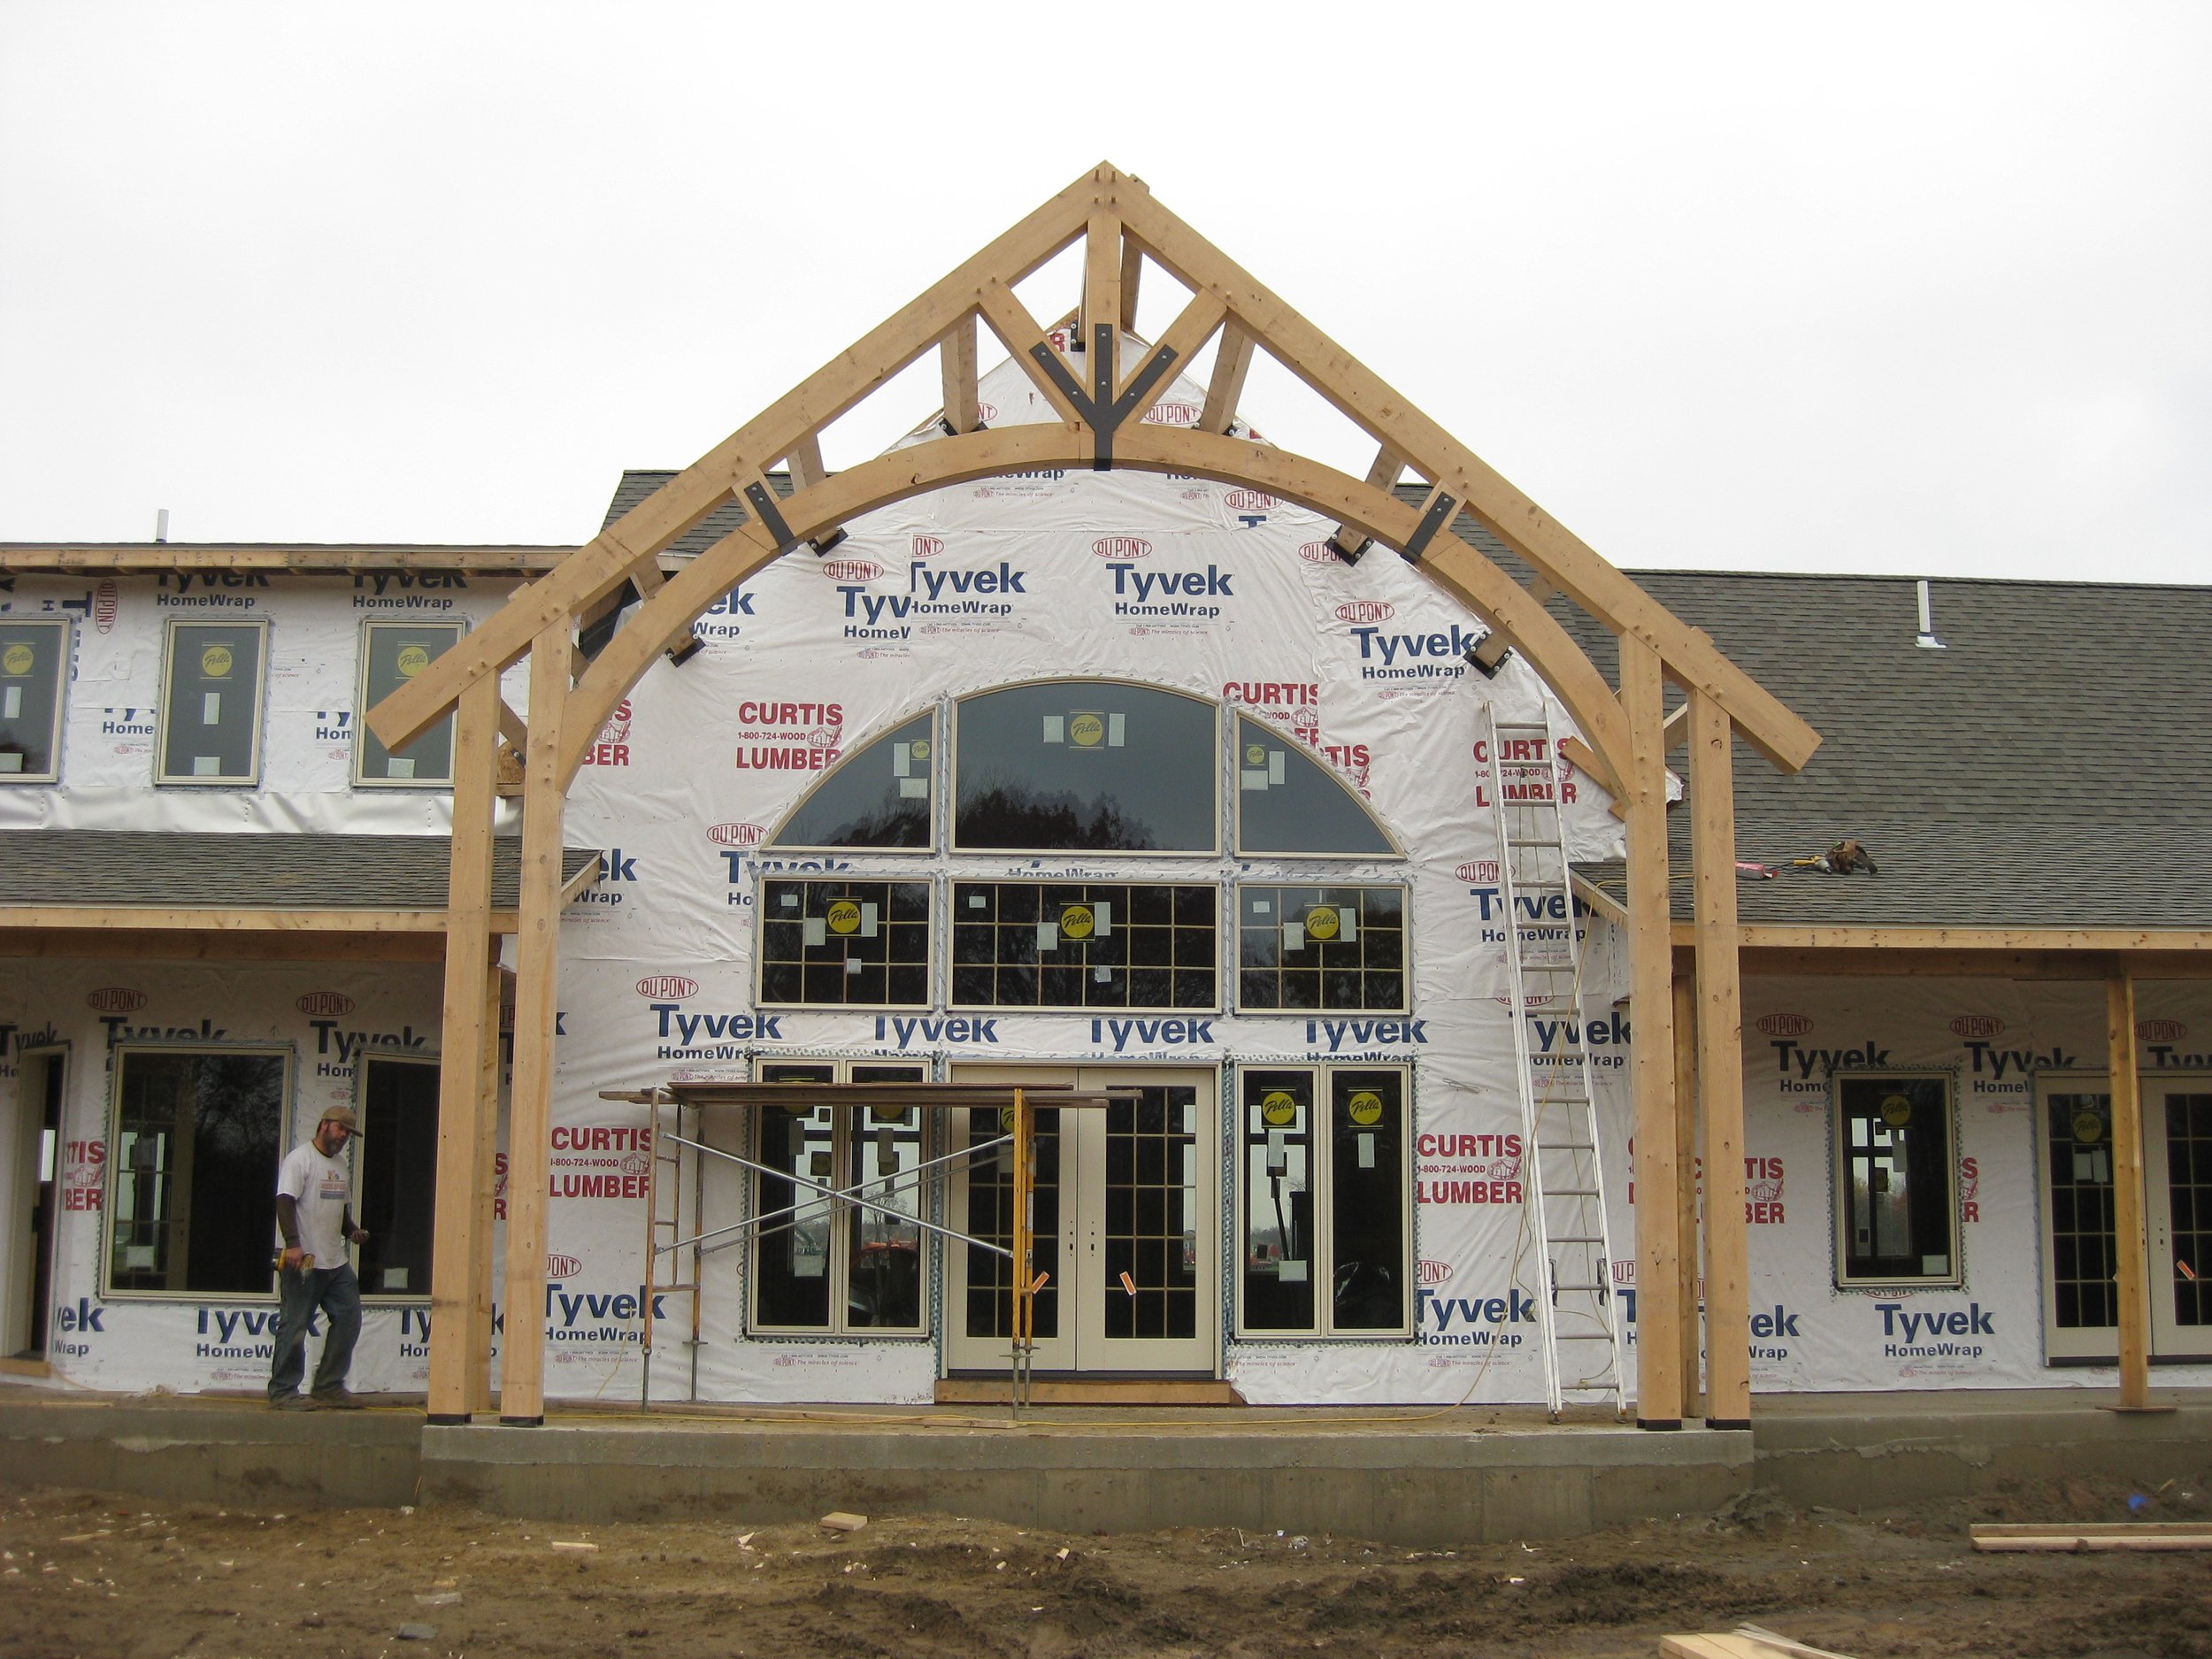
(2049, 767)
(163, 869)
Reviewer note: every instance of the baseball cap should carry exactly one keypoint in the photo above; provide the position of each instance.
(344, 1116)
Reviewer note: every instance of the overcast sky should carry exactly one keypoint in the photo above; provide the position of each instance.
(1923, 289)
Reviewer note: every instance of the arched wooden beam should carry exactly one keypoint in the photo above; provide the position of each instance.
(1459, 569)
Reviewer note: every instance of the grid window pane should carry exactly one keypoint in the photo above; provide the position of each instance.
(1150, 1267)
(989, 1312)
(2078, 1157)
(1082, 944)
(862, 944)
(1320, 947)
(2189, 1180)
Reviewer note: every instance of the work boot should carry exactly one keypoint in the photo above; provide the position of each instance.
(337, 1400)
(293, 1402)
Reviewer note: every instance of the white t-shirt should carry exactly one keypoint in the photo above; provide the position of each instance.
(321, 1188)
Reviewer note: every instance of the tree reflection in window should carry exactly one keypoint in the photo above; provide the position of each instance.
(878, 797)
(1086, 765)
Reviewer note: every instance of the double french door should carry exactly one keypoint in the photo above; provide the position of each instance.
(1126, 1220)
(2080, 1256)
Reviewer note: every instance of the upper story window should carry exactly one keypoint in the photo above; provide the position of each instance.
(877, 796)
(212, 685)
(1288, 803)
(392, 654)
(1087, 765)
(34, 664)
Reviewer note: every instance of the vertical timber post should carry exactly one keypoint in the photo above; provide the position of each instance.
(1686, 1195)
(2133, 1253)
(485, 1196)
(1720, 1064)
(468, 943)
(1658, 1238)
(537, 978)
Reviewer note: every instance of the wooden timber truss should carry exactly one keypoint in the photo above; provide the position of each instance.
(1123, 231)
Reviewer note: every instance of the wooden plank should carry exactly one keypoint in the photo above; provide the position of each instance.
(161, 918)
(126, 944)
(1161, 1391)
(1658, 1238)
(1132, 275)
(2130, 1242)
(1460, 570)
(1579, 754)
(1720, 1064)
(1769, 935)
(1685, 1193)
(957, 372)
(1185, 337)
(1231, 364)
(1008, 318)
(2090, 1529)
(1679, 728)
(482, 1303)
(1382, 474)
(1550, 549)
(151, 559)
(1102, 298)
(2085, 1543)
(469, 964)
(537, 973)
(705, 485)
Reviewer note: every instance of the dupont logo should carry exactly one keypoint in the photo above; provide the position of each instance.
(1482, 869)
(1173, 414)
(324, 1002)
(736, 834)
(2161, 1030)
(1541, 1001)
(1435, 1272)
(1366, 610)
(104, 600)
(563, 1266)
(1785, 1024)
(1122, 547)
(1318, 553)
(1977, 1026)
(115, 999)
(1250, 501)
(850, 570)
(666, 988)
(928, 547)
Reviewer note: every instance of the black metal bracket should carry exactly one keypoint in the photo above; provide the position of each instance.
(1435, 518)
(1101, 411)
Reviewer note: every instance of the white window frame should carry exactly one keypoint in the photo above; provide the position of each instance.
(1840, 1165)
(845, 1130)
(1321, 1184)
(370, 626)
(64, 658)
(930, 958)
(174, 630)
(1234, 948)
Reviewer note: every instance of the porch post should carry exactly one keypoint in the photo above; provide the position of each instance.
(1720, 1065)
(537, 975)
(2132, 1261)
(484, 1200)
(1685, 1196)
(1658, 1236)
(458, 1242)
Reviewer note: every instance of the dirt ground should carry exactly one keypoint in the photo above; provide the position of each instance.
(99, 1576)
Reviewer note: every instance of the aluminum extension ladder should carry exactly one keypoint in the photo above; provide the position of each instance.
(1578, 1308)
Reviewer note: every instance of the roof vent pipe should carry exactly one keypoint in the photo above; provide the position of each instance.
(1927, 641)
(161, 527)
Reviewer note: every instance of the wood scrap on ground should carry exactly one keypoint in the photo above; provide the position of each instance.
(1745, 1641)
(2105, 1535)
